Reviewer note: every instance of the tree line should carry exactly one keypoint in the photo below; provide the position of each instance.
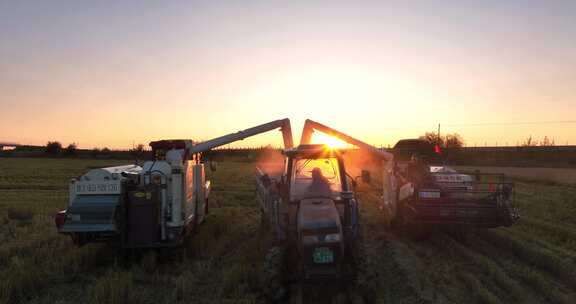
(55, 148)
(454, 140)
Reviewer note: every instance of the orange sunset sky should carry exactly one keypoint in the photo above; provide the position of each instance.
(113, 73)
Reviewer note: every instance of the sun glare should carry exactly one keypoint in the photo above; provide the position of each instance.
(330, 141)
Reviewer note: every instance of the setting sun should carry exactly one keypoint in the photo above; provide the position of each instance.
(330, 141)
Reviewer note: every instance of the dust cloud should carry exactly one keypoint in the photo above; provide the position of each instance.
(271, 161)
(357, 160)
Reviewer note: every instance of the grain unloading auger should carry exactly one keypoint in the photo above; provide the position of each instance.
(155, 205)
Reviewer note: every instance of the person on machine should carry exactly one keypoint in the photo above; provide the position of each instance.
(320, 185)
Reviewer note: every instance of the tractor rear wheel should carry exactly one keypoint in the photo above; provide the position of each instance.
(264, 222)
(273, 276)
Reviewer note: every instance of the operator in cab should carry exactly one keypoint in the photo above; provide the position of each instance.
(320, 185)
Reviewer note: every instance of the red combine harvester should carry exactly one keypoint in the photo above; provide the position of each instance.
(431, 194)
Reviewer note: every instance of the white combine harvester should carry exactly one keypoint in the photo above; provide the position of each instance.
(155, 205)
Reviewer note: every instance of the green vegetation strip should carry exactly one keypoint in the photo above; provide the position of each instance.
(564, 231)
(489, 268)
(535, 255)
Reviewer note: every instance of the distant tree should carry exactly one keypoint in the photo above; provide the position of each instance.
(546, 142)
(447, 141)
(71, 149)
(95, 152)
(53, 148)
(105, 150)
(138, 151)
(529, 142)
(432, 137)
(453, 141)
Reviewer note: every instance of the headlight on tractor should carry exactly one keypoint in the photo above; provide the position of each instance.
(327, 238)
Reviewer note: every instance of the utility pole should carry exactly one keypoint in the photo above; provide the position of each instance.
(438, 139)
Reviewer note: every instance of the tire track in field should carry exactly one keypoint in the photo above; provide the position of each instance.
(540, 257)
(512, 289)
(560, 251)
(453, 274)
(517, 262)
(546, 287)
(562, 236)
(393, 270)
(496, 266)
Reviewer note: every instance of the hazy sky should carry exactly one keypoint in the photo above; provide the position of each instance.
(109, 73)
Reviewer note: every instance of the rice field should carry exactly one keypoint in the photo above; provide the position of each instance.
(532, 262)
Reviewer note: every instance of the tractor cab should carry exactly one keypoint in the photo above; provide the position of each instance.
(315, 171)
(317, 209)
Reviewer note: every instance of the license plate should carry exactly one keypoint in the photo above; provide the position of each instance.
(323, 255)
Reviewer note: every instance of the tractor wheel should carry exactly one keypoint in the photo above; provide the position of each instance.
(357, 252)
(264, 222)
(273, 276)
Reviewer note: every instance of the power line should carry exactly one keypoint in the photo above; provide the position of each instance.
(512, 123)
(480, 124)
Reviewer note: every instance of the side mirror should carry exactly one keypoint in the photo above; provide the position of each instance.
(365, 176)
(212, 166)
